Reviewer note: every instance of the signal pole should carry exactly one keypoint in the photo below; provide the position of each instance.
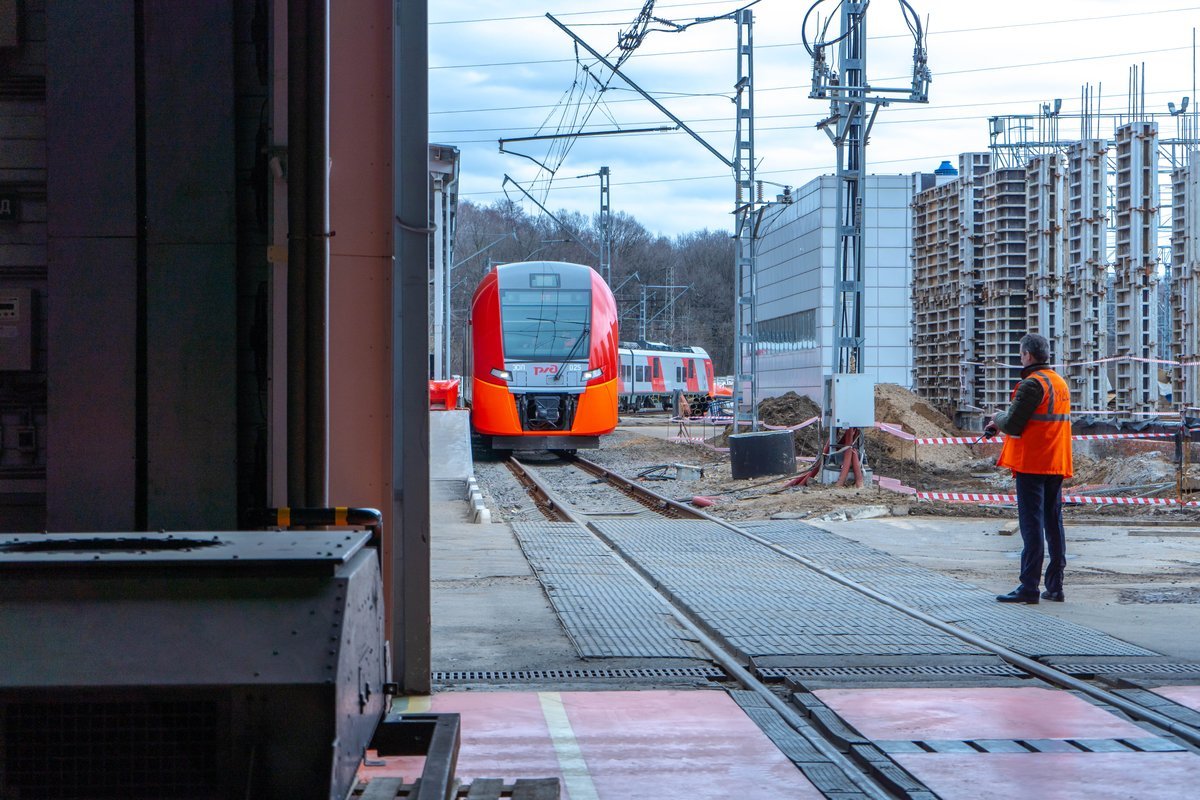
(849, 394)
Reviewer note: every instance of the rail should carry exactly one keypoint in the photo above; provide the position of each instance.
(1049, 674)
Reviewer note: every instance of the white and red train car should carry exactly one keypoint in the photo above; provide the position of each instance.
(651, 373)
(543, 357)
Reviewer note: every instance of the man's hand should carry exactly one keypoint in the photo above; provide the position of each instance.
(989, 428)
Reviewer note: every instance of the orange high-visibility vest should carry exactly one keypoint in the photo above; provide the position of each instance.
(1044, 447)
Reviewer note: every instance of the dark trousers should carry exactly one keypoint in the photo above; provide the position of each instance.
(1039, 508)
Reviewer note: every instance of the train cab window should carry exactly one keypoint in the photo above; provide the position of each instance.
(545, 324)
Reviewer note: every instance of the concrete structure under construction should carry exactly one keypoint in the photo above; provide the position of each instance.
(1068, 245)
(1185, 281)
(796, 283)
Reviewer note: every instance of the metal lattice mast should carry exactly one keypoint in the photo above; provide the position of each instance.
(745, 318)
(849, 127)
(850, 104)
(605, 228)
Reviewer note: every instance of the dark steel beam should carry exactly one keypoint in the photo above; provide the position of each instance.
(408, 525)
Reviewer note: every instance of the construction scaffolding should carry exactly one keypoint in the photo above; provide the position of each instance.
(1044, 214)
(1071, 239)
(1185, 281)
(947, 235)
(1085, 279)
(1135, 305)
(1002, 296)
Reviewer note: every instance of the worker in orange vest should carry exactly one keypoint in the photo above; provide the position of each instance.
(1037, 448)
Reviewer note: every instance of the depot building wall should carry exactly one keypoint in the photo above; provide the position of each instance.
(796, 282)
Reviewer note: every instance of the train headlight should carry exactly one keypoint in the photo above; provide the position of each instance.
(592, 373)
(502, 374)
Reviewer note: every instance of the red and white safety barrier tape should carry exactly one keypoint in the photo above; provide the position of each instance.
(898, 432)
(977, 497)
(796, 427)
(1107, 360)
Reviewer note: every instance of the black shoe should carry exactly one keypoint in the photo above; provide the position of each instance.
(1057, 597)
(1018, 596)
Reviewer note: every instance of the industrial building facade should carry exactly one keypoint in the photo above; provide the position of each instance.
(795, 285)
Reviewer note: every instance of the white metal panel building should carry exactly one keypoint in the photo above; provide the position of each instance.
(796, 281)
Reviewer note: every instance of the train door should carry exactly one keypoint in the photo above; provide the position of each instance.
(657, 382)
(693, 383)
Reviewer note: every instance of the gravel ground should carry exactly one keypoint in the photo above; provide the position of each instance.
(635, 450)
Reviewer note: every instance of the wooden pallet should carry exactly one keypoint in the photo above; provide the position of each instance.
(480, 789)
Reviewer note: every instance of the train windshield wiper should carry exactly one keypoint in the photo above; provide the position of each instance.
(558, 373)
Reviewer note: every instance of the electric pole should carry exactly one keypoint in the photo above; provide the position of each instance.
(849, 394)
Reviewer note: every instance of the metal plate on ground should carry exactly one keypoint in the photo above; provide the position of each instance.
(228, 549)
(605, 609)
(560, 675)
(1021, 629)
(823, 773)
(762, 603)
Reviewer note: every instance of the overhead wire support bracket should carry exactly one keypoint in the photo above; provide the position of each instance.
(543, 137)
(616, 71)
(566, 228)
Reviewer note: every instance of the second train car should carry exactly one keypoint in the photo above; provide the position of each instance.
(652, 372)
(543, 357)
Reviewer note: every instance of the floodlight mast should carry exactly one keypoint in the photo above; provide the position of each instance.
(848, 126)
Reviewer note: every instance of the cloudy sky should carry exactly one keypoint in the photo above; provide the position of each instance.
(503, 70)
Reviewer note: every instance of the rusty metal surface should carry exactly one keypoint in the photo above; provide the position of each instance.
(277, 548)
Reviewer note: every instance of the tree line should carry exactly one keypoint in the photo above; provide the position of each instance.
(697, 313)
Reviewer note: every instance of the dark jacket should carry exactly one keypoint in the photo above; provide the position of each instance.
(1026, 400)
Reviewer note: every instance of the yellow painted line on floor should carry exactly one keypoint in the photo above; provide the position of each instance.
(566, 748)
(414, 704)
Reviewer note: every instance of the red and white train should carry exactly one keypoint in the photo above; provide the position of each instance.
(543, 358)
(651, 373)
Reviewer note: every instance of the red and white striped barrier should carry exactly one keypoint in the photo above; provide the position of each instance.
(896, 431)
(1126, 501)
(1092, 500)
(967, 497)
(796, 427)
(1091, 436)
(1066, 365)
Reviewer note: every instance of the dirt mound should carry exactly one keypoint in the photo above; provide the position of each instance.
(784, 411)
(792, 409)
(899, 406)
(789, 409)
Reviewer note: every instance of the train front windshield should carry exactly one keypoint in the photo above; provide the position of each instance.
(545, 324)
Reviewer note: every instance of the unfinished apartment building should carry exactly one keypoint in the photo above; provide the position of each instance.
(1065, 244)
(947, 250)
(1185, 281)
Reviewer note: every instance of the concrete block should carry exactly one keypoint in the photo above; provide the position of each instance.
(868, 512)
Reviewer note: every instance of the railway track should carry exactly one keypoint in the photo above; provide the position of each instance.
(609, 494)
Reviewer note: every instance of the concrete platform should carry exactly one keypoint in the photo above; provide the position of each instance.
(450, 445)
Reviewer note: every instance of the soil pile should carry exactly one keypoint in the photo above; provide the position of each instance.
(785, 411)
(792, 409)
(899, 406)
